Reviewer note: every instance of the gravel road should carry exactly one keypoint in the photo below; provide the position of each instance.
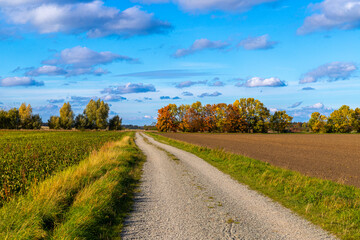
(187, 198)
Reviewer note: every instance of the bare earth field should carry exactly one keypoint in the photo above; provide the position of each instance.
(330, 156)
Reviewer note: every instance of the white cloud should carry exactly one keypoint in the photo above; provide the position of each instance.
(19, 81)
(130, 88)
(84, 57)
(331, 72)
(331, 14)
(209, 5)
(47, 70)
(92, 18)
(200, 45)
(257, 43)
(262, 82)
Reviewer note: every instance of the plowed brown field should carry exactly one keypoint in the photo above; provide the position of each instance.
(335, 157)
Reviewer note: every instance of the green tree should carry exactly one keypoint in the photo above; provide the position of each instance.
(341, 120)
(35, 122)
(97, 113)
(115, 123)
(280, 121)
(54, 122)
(13, 118)
(66, 116)
(317, 123)
(81, 122)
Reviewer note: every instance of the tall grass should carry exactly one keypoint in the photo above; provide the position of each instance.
(87, 201)
(333, 206)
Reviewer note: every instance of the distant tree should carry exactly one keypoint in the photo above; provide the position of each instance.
(317, 123)
(356, 120)
(280, 121)
(4, 120)
(66, 116)
(165, 120)
(35, 122)
(115, 123)
(97, 113)
(257, 116)
(13, 118)
(54, 122)
(25, 113)
(81, 122)
(193, 119)
(234, 121)
(340, 121)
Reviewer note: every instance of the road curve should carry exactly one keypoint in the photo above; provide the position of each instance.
(190, 199)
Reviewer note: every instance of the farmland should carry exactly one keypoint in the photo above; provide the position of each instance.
(330, 156)
(27, 158)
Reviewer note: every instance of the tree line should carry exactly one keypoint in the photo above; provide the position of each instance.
(245, 115)
(21, 118)
(95, 116)
(343, 120)
(249, 115)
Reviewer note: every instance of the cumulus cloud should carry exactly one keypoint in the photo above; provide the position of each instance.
(295, 105)
(257, 43)
(330, 72)
(20, 81)
(90, 17)
(200, 45)
(187, 94)
(214, 94)
(130, 88)
(262, 82)
(113, 98)
(304, 113)
(176, 98)
(164, 98)
(186, 84)
(78, 61)
(204, 6)
(331, 14)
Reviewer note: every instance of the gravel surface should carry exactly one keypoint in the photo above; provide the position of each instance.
(188, 198)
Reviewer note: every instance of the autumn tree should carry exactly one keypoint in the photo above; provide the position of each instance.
(115, 123)
(341, 120)
(220, 113)
(66, 116)
(193, 119)
(234, 121)
(317, 123)
(165, 120)
(280, 121)
(209, 118)
(257, 116)
(13, 118)
(356, 120)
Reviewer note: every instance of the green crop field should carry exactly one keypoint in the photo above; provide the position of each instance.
(30, 157)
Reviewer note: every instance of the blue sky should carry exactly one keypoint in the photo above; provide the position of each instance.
(140, 55)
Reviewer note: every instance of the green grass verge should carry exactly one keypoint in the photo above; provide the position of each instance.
(86, 201)
(332, 206)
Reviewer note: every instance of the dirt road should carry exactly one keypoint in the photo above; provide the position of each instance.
(187, 198)
(330, 156)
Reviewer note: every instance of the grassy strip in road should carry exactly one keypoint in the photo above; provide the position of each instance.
(86, 201)
(332, 206)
